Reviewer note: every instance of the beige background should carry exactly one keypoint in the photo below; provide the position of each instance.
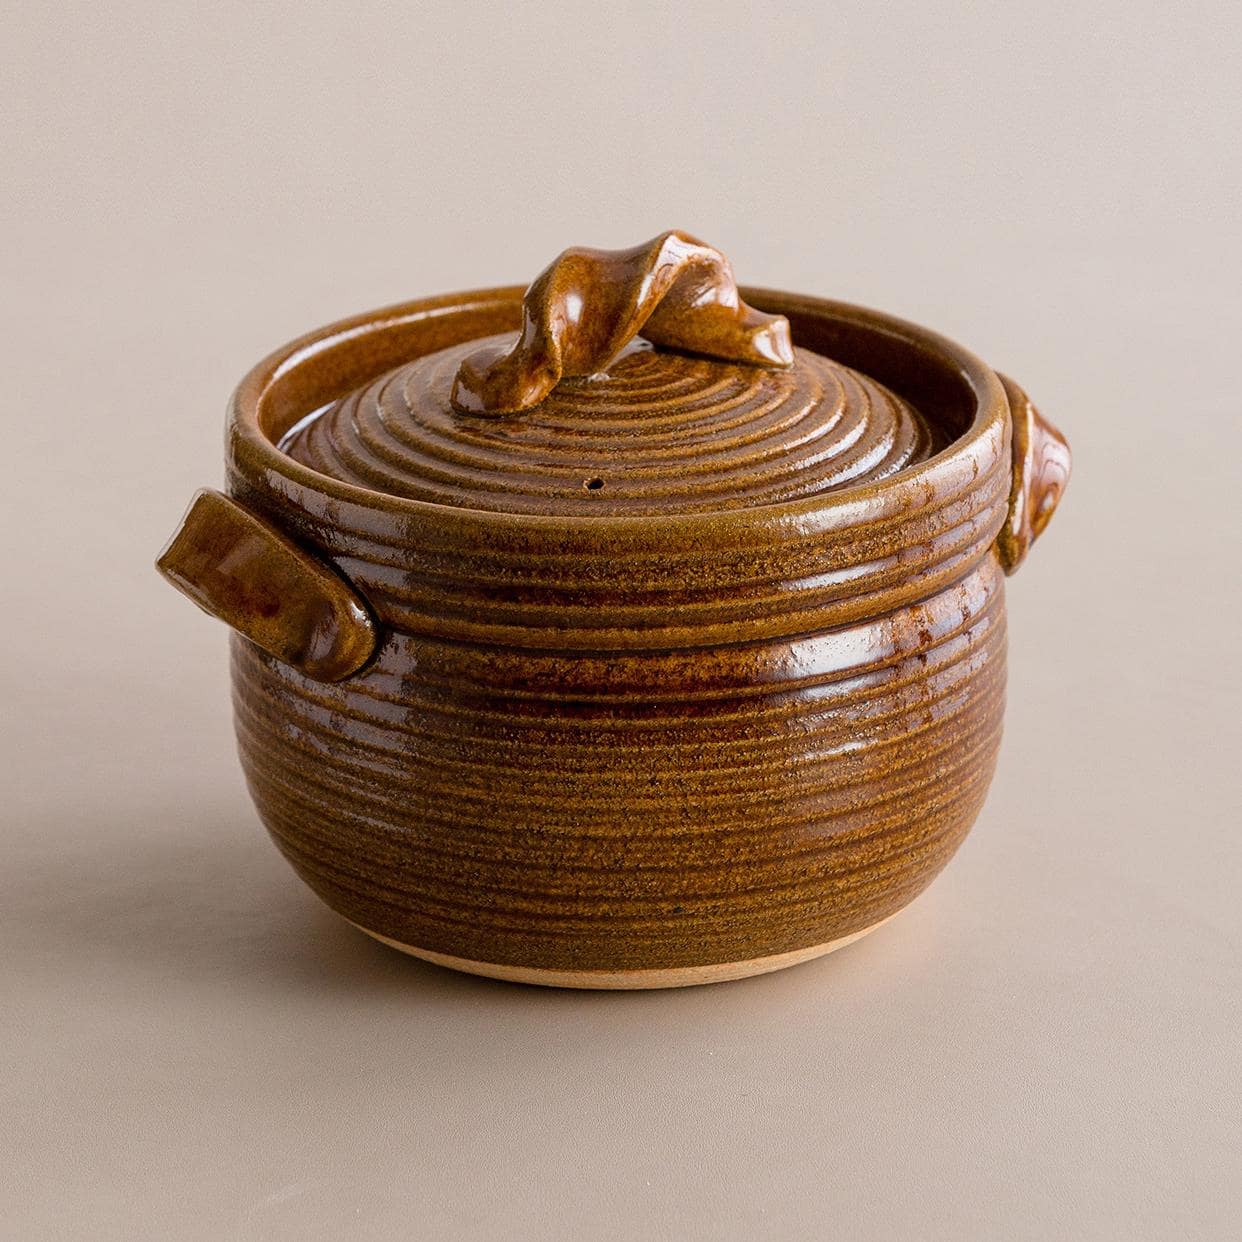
(1044, 1046)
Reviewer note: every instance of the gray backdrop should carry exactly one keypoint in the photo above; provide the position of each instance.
(1043, 1046)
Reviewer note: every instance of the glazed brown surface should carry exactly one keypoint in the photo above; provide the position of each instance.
(252, 577)
(623, 581)
(598, 736)
(640, 811)
(657, 432)
(1041, 470)
(587, 304)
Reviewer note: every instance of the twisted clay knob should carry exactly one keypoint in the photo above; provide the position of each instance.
(583, 309)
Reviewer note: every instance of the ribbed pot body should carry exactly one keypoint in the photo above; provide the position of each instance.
(624, 744)
(574, 812)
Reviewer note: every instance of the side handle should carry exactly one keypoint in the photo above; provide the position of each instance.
(236, 567)
(1041, 470)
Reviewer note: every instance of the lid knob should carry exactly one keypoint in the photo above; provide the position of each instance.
(582, 310)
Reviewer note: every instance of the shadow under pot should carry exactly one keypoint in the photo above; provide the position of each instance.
(621, 632)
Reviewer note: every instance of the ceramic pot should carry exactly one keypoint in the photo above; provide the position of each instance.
(576, 656)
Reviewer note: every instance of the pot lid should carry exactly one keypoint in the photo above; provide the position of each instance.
(710, 408)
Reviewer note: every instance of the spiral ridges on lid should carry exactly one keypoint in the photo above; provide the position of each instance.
(658, 433)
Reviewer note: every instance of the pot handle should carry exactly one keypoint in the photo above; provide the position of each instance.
(583, 309)
(1041, 470)
(236, 567)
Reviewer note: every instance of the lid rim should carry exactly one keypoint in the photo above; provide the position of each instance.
(257, 457)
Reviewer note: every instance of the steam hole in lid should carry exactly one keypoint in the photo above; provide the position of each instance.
(593, 485)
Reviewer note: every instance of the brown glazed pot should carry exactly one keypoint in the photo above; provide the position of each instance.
(569, 659)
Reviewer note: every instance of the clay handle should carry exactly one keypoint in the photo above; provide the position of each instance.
(236, 567)
(581, 311)
(1041, 470)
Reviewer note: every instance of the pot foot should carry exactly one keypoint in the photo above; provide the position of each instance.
(625, 980)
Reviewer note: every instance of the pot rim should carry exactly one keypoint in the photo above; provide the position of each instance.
(983, 441)
(625, 581)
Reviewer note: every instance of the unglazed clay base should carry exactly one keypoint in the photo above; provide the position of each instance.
(619, 980)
